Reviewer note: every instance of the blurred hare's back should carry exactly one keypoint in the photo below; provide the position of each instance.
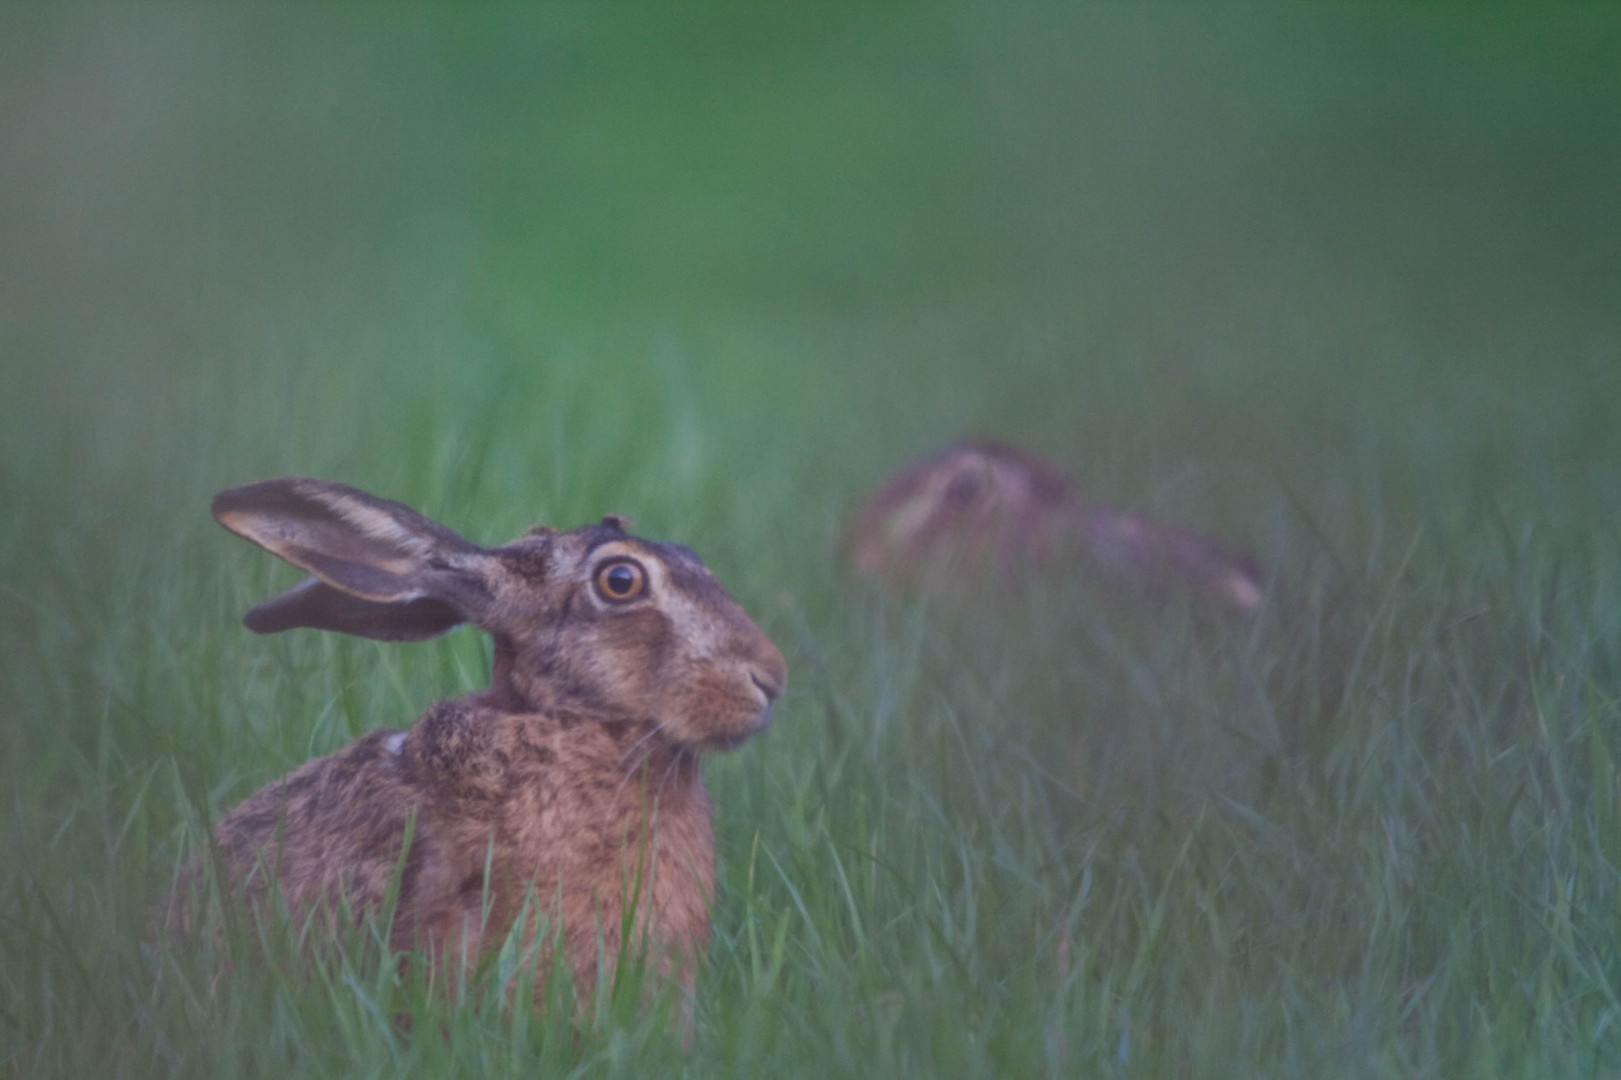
(1133, 545)
(982, 509)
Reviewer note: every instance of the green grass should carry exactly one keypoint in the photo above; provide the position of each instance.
(1338, 283)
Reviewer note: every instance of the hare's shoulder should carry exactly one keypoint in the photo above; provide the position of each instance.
(461, 750)
(469, 755)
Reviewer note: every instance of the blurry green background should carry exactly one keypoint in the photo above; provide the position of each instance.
(815, 239)
(1341, 283)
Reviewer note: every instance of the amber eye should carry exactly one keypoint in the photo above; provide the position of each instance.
(620, 580)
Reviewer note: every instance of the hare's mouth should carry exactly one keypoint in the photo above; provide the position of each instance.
(721, 743)
(731, 740)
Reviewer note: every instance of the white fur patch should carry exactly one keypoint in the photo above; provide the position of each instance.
(381, 525)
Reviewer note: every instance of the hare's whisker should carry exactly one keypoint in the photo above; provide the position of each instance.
(669, 770)
(637, 764)
(652, 731)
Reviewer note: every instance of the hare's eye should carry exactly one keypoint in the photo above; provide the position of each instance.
(620, 580)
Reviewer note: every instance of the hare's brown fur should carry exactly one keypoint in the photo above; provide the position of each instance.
(561, 809)
(571, 785)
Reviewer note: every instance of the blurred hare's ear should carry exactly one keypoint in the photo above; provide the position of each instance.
(380, 569)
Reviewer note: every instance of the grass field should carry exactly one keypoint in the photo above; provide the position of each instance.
(1337, 283)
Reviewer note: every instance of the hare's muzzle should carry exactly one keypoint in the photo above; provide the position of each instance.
(763, 683)
(768, 672)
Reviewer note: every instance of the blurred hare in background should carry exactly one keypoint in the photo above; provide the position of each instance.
(978, 508)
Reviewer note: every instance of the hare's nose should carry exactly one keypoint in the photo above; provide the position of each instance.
(767, 687)
(767, 668)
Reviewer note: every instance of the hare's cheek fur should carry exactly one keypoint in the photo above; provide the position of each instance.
(717, 709)
(715, 700)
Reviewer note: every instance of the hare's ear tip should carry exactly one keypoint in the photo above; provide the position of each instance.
(226, 505)
(233, 497)
(616, 522)
(260, 493)
(257, 621)
(232, 507)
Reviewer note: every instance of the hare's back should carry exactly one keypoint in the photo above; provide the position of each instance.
(335, 824)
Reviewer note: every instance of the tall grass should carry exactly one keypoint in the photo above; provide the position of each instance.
(1338, 284)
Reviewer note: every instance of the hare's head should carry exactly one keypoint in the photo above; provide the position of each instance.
(969, 507)
(592, 620)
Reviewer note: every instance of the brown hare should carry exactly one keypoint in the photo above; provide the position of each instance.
(569, 789)
(985, 506)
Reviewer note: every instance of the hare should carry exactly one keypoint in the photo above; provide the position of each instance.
(981, 506)
(569, 789)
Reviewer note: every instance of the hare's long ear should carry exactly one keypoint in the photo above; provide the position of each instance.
(315, 604)
(380, 569)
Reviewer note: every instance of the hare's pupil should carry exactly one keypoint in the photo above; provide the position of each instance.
(621, 580)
